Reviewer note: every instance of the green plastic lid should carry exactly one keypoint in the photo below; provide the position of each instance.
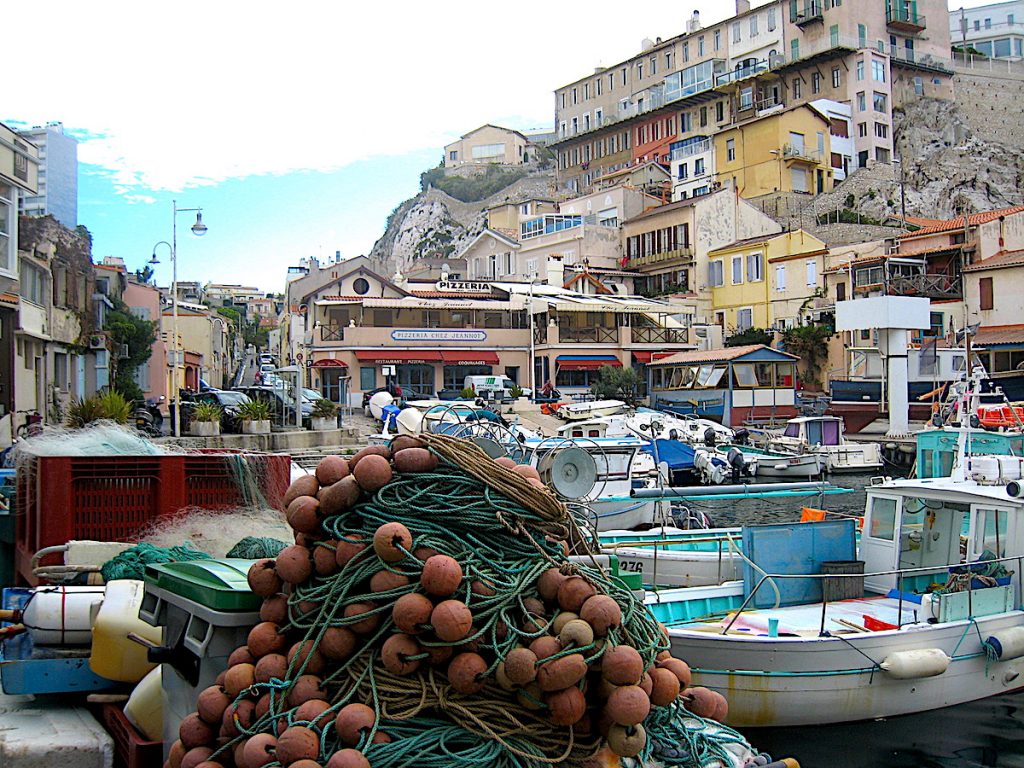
(631, 581)
(218, 584)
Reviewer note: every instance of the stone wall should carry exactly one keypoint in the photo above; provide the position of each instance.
(991, 101)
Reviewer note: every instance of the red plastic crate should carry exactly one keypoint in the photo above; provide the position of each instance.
(113, 498)
(131, 750)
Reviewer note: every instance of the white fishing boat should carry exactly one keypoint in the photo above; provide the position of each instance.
(675, 557)
(933, 619)
(717, 466)
(825, 436)
(689, 429)
(788, 466)
(590, 409)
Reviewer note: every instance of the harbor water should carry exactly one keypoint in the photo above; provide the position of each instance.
(983, 733)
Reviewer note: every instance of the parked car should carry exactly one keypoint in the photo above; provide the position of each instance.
(266, 358)
(228, 400)
(282, 405)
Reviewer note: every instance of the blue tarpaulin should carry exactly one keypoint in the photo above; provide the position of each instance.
(678, 455)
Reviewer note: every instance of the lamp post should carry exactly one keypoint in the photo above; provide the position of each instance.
(533, 343)
(198, 229)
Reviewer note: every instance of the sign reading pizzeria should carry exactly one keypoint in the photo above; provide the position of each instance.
(438, 335)
(462, 286)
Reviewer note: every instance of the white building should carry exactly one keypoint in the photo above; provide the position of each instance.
(840, 120)
(693, 167)
(57, 193)
(996, 30)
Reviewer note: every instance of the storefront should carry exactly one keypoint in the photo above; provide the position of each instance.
(574, 372)
(332, 379)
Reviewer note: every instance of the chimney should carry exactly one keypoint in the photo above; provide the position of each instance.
(555, 271)
(646, 44)
(742, 6)
(694, 23)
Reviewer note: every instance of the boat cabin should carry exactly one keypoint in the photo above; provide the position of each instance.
(937, 448)
(816, 430)
(937, 525)
(753, 384)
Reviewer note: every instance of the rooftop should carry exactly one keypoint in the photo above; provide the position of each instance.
(718, 355)
(1000, 260)
(973, 220)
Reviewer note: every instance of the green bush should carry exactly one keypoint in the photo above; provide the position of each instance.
(474, 188)
(468, 394)
(750, 336)
(108, 405)
(207, 412)
(253, 410)
(617, 384)
(515, 391)
(324, 409)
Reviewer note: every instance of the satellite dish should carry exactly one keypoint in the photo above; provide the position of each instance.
(410, 421)
(491, 447)
(379, 402)
(571, 472)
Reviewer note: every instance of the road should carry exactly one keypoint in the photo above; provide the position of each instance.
(250, 365)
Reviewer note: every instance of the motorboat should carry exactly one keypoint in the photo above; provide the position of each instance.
(717, 466)
(825, 436)
(788, 466)
(590, 409)
(668, 556)
(924, 613)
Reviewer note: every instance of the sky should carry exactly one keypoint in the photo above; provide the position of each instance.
(296, 128)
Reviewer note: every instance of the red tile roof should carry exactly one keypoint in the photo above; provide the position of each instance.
(999, 260)
(974, 220)
(998, 334)
(716, 355)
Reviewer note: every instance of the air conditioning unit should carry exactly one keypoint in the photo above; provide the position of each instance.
(97, 341)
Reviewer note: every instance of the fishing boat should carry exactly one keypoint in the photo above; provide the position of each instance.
(590, 409)
(919, 617)
(788, 466)
(668, 556)
(825, 436)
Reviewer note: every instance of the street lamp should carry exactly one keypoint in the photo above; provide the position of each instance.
(198, 229)
(533, 350)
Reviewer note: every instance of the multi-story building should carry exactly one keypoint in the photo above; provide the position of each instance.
(57, 193)
(677, 94)
(489, 144)
(995, 30)
(143, 301)
(225, 295)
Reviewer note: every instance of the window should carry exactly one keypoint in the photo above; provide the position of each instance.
(746, 98)
(639, 70)
(611, 82)
(771, 19)
(453, 155)
(816, 82)
(840, 291)
(623, 71)
(753, 25)
(686, 51)
(862, 36)
(598, 117)
(33, 283)
(718, 39)
(586, 91)
(682, 171)
(798, 179)
(812, 273)
(668, 60)
(715, 274)
(720, 111)
(881, 130)
(698, 167)
(8, 210)
(685, 123)
(833, 35)
(796, 87)
(988, 23)
(918, 86)
(985, 288)
(880, 102)
(877, 70)
(654, 65)
(703, 116)
(860, 70)
(744, 319)
(977, 25)
(736, 37)
(862, 129)
(794, 49)
(755, 267)
(730, 150)
(883, 519)
(700, 45)
(862, 103)
(737, 270)
(575, 100)
(1009, 19)
(780, 277)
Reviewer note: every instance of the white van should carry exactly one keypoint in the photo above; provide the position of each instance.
(491, 387)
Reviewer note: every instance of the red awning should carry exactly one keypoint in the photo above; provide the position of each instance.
(468, 357)
(646, 357)
(329, 363)
(397, 356)
(582, 363)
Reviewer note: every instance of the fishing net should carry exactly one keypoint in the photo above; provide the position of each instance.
(131, 563)
(101, 438)
(425, 617)
(218, 532)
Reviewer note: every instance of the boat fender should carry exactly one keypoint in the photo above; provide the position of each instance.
(1013, 488)
(1007, 643)
(924, 662)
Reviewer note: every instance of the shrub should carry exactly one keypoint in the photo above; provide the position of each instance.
(207, 412)
(750, 336)
(115, 407)
(515, 391)
(324, 409)
(468, 394)
(253, 410)
(109, 405)
(617, 384)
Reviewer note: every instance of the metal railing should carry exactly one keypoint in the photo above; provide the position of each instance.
(540, 333)
(932, 286)
(596, 334)
(900, 573)
(332, 332)
(792, 152)
(810, 11)
(904, 18)
(696, 148)
(742, 73)
(657, 258)
(657, 335)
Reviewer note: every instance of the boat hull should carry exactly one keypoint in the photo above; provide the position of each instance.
(787, 681)
(791, 467)
(623, 513)
(681, 569)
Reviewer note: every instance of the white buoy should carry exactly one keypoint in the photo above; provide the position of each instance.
(1007, 643)
(924, 662)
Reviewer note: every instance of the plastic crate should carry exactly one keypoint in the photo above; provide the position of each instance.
(113, 498)
(131, 750)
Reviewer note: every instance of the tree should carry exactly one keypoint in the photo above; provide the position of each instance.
(145, 274)
(750, 336)
(126, 329)
(83, 232)
(810, 343)
(617, 384)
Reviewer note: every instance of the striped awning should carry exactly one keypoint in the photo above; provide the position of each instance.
(586, 362)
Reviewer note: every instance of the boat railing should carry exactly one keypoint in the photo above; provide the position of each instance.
(720, 540)
(900, 574)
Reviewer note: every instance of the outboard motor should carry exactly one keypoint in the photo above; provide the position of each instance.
(710, 438)
(741, 436)
(737, 464)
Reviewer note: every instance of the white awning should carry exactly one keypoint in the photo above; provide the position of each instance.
(445, 304)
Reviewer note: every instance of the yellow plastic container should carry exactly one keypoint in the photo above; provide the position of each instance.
(145, 707)
(115, 656)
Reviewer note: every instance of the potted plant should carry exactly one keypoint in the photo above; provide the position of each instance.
(324, 415)
(255, 417)
(206, 420)
(468, 394)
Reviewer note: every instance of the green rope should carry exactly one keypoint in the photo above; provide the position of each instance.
(256, 547)
(131, 563)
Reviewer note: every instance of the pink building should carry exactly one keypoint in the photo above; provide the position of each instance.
(144, 301)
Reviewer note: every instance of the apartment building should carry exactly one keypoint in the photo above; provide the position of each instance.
(995, 30)
(677, 94)
(57, 193)
(489, 144)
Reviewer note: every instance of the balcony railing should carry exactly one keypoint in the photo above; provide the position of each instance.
(808, 13)
(929, 286)
(540, 332)
(332, 332)
(595, 335)
(904, 20)
(686, 252)
(742, 73)
(695, 148)
(793, 152)
(658, 336)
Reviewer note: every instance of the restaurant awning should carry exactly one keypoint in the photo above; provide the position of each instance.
(586, 362)
(329, 363)
(468, 357)
(646, 357)
(397, 357)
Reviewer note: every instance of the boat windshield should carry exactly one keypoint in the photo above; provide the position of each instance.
(823, 432)
(792, 430)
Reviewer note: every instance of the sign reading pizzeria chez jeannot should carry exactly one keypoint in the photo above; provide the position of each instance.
(462, 286)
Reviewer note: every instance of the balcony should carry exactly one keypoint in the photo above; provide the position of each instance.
(332, 333)
(928, 285)
(686, 252)
(904, 20)
(594, 335)
(658, 336)
(801, 154)
(695, 148)
(809, 14)
(742, 73)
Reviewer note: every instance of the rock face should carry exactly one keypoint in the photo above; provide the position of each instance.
(435, 224)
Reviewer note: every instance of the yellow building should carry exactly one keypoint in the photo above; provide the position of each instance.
(786, 151)
(758, 282)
